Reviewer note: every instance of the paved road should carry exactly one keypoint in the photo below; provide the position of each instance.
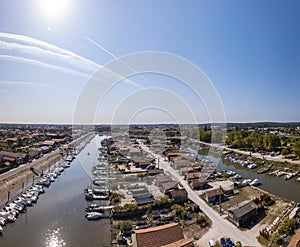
(220, 226)
(26, 166)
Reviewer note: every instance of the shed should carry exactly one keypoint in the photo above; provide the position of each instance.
(242, 214)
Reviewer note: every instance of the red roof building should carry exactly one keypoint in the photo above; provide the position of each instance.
(169, 235)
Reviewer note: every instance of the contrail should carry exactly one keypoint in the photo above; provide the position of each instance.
(115, 57)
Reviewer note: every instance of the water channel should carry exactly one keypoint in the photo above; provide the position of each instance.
(58, 218)
(288, 189)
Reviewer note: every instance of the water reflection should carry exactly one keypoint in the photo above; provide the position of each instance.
(54, 238)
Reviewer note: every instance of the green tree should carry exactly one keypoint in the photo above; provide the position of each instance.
(162, 201)
(179, 210)
(296, 148)
(229, 138)
(275, 237)
(238, 244)
(285, 151)
(287, 226)
(126, 225)
(271, 142)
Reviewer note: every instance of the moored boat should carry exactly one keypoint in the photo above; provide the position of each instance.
(2, 221)
(94, 216)
(255, 182)
(11, 218)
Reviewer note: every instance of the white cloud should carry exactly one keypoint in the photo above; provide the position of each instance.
(47, 48)
(38, 51)
(25, 83)
(43, 64)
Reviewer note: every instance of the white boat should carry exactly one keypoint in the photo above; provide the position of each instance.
(230, 173)
(255, 182)
(11, 218)
(246, 182)
(288, 176)
(1, 230)
(2, 221)
(94, 216)
(34, 199)
(252, 166)
(237, 176)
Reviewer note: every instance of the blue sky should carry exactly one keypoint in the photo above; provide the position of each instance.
(248, 49)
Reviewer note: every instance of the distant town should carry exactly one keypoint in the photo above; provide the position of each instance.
(164, 185)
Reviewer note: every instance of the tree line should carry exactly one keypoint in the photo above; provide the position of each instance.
(260, 142)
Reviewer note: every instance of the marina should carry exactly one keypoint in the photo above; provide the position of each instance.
(275, 185)
(58, 216)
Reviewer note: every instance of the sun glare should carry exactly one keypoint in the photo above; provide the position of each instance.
(53, 8)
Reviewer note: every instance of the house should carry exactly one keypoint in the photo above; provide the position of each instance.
(242, 213)
(172, 155)
(184, 170)
(49, 143)
(179, 196)
(134, 151)
(153, 172)
(180, 163)
(192, 175)
(160, 179)
(295, 241)
(17, 157)
(169, 235)
(214, 196)
(140, 163)
(166, 187)
(8, 161)
(198, 184)
(34, 153)
(142, 195)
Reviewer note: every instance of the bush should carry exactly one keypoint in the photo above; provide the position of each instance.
(126, 225)
(162, 201)
(179, 210)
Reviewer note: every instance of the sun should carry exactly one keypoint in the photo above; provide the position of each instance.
(53, 8)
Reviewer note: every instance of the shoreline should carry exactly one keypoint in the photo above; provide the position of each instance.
(248, 153)
(17, 182)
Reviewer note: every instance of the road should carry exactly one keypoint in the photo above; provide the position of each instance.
(26, 166)
(221, 227)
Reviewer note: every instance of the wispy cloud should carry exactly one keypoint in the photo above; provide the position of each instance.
(25, 83)
(25, 44)
(43, 64)
(6, 91)
(33, 51)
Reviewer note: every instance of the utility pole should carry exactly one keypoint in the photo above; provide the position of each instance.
(220, 199)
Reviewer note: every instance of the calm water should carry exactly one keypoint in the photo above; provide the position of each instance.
(58, 217)
(275, 185)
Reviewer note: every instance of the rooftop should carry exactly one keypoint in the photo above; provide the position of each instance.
(168, 235)
(243, 209)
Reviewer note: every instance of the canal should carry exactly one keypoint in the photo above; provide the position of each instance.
(58, 218)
